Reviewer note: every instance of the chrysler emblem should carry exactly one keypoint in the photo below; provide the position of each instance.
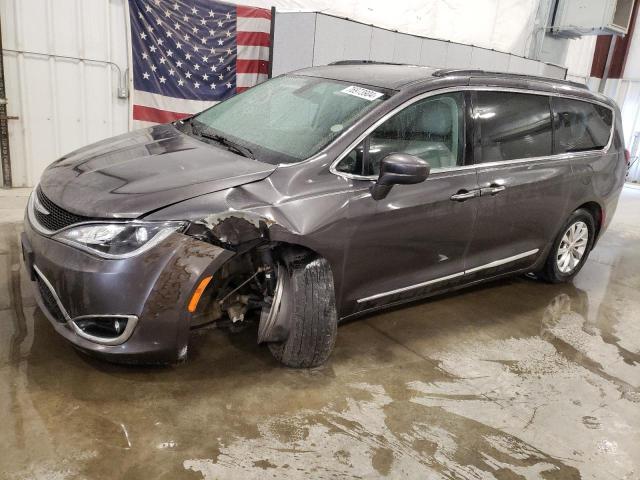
(39, 207)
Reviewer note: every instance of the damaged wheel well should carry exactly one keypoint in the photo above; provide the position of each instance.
(247, 282)
(244, 282)
(243, 232)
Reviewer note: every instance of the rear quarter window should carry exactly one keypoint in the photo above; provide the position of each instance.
(580, 126)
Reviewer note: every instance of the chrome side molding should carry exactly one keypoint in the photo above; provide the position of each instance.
(410, 287)
(493, 264)
(503, 261)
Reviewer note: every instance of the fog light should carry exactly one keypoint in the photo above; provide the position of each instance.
(102, 327)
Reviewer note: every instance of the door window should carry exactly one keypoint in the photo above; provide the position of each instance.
(431, 129)
(511, 126)
(580, 126)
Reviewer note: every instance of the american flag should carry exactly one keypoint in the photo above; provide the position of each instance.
(189, 54)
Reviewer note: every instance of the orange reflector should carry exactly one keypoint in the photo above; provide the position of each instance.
(195, 298)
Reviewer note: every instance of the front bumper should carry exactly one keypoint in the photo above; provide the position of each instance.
(152, 290)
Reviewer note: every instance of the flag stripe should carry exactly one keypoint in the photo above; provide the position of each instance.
(149, 114)
(245, 11)
(254, 25)
(250, 52)
(250, 79)
(172, 104)
(259, 39)
(252, 66)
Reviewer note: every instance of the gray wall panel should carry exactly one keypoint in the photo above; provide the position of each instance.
(338, 39)
(407, 49)
(382, 45)
(458, 56)
(551, 70)
(433, 52)
(522, 65)
(293, 41)
(306, 39)
(489, 60)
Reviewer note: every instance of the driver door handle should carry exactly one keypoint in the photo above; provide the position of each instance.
(464, 195)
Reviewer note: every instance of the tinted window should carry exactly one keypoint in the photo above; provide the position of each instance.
(512, 126)
(580, 126)
(431, 129)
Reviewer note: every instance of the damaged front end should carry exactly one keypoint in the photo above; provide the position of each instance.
(84, 294)
(139, 305)
(249, 287)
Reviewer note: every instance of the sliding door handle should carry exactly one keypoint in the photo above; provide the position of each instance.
(464, 195)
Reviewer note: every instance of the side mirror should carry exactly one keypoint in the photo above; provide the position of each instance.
(398, 169)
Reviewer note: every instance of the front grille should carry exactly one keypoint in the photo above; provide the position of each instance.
(58, 217)
(50, 301)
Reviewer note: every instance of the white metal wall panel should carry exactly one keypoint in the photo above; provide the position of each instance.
(630, 107)
(632, 66)
(553, 71)
(503, 25)
(294, 36)
(62, 104)
(433, 52)
(407, 49)
(308, 39)
(458, 56)
(382, 45)
(489, 60)
(626, 94)
(338, 39)
(580, 56)
(522, 65)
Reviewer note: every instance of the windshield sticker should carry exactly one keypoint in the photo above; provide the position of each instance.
(362, 92)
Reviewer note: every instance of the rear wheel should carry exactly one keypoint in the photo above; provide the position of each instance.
(570, 248)
(305, 297)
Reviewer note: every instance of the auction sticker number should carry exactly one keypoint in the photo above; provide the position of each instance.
(362, 92)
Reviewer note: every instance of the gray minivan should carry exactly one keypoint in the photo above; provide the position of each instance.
(317, 196)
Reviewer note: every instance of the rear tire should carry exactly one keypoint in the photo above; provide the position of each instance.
(312, 316)
(565, 258)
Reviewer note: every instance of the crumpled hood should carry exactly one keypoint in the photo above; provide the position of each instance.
(138, 172)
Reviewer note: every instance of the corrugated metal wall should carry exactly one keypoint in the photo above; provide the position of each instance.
(62, 103)
(321, 39)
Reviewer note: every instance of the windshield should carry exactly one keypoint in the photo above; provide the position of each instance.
(289, 118)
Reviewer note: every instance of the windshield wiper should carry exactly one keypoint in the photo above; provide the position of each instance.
(230, 144)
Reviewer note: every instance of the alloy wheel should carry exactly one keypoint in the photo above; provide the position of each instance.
(572, 247)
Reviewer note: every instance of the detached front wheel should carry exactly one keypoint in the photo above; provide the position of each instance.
(303, 310)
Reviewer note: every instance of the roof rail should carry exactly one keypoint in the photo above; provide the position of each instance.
(465, 71)
(363, 62)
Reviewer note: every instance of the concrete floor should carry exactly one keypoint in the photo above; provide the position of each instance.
(517, 379)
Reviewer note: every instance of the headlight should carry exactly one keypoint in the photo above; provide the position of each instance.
(118, 240)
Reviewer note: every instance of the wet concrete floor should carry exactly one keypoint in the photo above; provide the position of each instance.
(516, 379)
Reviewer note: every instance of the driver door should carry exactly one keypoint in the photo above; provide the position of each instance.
(413, 241)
